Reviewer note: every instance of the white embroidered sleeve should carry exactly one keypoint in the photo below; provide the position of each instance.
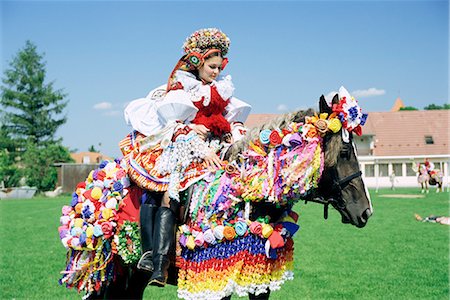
(237, 110)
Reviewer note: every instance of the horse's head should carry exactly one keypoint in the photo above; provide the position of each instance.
(341, 183)
(304, 156)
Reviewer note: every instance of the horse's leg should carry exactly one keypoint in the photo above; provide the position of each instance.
(137, 284)
(426, 187)
(421, 184)
(117, 288)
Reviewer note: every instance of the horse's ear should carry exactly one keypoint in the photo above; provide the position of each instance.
(335, 100)
(323, 105)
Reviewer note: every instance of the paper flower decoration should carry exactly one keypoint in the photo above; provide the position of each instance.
(349, 112)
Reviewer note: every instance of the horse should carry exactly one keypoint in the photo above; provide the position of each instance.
(429, 176)
(436, 178)
(299, 156)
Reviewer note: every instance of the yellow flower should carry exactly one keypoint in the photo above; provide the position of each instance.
(107, 213)
(266, 230)
(334, 125)
(96, 193)
(89, 231)
(78, 222)
(90, 177)
(190, 243)
(323, 116)
(310, 120)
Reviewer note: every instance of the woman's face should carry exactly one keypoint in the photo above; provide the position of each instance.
(210, 69)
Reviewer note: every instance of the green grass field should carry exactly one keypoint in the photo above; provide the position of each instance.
(393, 257)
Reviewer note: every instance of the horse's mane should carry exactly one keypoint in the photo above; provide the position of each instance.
(333, 146)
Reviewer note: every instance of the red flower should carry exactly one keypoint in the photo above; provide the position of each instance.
(358, 130)
(101, 175)
(285, 131)
(120, 174)
(107, 229)
(256, 228)
(81, 185)
(275, 138)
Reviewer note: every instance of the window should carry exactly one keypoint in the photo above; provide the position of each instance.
(383, 170)
(369, 170)
(429, 140)
(397, 168)
(409, 170)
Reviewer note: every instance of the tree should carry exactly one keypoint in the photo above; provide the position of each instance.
(40, 163)
(10, 174)
(93, 149)
(32, 108)
(408, 108)
(436, 107)
(31, 114)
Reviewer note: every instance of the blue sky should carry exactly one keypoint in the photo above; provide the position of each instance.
(283, 55)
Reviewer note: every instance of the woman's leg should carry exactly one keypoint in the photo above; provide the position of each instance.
(149, 206)
(264, 296)
(163, 240)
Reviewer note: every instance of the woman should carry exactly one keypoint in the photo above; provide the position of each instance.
(180, 133)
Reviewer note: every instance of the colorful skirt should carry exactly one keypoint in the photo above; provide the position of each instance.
(142, 165)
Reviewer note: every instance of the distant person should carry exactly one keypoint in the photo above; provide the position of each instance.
(392, 179)
(433, 219)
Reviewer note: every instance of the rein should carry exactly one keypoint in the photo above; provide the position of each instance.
(337, 187)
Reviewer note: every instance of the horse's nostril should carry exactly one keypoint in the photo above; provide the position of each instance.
(366, 214)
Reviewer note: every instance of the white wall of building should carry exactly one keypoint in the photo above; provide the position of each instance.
(377, 170)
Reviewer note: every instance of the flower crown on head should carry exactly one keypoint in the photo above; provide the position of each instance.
(198, 46)
(205, 39)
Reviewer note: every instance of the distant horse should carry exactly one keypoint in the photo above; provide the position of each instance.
(428, 176)
(242, 215)
(436, 178)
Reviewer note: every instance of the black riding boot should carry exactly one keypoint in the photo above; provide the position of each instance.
(147, 217)
(164, 237)
(263, 296)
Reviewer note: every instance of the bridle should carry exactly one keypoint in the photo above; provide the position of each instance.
(337, 186)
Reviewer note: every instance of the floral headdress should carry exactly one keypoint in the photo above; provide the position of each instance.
(197, 47)
(349, 112)
(204, 39)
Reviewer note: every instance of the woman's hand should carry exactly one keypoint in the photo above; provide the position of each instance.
(213, 161)
(200, 129)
